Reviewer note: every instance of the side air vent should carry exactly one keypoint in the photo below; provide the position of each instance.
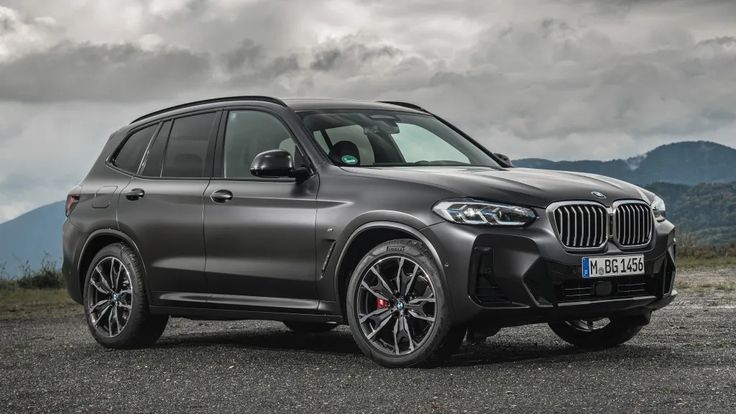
(483, 281)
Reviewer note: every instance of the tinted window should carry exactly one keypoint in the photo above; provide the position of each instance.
(155, 157)
(248, 134)
(186, 151)
(130, 155)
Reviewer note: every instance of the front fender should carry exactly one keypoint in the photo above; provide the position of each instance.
(413, 230)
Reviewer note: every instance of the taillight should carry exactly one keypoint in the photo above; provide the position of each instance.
(72, 199)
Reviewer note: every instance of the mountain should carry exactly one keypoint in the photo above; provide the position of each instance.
(689, 162)
(705, 212)
(31, 236)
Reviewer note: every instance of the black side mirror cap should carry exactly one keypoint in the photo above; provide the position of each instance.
(505, 159)
(277, 164)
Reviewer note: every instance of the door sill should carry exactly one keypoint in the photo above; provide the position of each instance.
(234, 314)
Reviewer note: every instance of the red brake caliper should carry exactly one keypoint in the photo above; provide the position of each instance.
(381, 303)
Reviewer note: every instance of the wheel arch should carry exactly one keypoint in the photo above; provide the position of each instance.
(94, 243)
(364, 238)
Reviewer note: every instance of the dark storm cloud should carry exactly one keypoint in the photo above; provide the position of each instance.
(107, 72)
(560, 79)
(250, 63)
(350, 54)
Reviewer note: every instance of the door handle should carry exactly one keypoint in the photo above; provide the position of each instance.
(135, 194)
(221, 196)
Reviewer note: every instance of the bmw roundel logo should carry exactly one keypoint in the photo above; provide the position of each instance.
(598, 194)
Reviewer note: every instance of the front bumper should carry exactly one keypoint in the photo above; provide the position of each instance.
(513, 276)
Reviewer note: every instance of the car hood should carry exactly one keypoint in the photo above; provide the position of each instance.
(522, 186)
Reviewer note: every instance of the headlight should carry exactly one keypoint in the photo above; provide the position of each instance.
(468, 211)
(659, 209)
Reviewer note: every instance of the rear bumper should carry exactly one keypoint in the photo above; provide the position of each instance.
(73, 240)
(513, 276)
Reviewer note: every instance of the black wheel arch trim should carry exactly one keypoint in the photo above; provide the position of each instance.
(389, 225)
(114, 233)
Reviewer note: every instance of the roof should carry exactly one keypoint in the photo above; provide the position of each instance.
(297, 104)
(307, 104)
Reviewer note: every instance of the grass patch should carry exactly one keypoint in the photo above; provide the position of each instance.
(691, 255)
(36, 291)
(699, 262)
(19, 302)
(48, 276)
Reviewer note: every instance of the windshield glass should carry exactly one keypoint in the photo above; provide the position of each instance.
(359, 138)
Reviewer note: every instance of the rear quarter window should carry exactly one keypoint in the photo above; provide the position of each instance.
(130, 154)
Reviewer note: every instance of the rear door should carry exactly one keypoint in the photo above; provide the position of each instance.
(261, 241)
(162, 207)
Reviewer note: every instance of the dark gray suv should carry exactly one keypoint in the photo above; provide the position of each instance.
(379, 215)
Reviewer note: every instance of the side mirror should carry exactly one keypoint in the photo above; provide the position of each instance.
(276, 164)
(505, 159)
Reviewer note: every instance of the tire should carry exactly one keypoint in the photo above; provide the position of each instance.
(310, 327)
(616, 332)
(124, 321)
(413, 326)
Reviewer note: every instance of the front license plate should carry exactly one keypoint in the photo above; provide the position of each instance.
(613, 266)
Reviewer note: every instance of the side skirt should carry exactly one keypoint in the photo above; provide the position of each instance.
(235, 314)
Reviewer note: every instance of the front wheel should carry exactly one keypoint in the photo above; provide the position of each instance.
(397, 307)
(116, 307)
(597, 333)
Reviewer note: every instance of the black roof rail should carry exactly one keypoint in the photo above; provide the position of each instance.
(405, 105)
(213, 100)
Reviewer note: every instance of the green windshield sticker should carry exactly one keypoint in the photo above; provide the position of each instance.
(349, 159)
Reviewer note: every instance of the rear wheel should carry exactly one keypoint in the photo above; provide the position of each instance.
(599, 332)
(116, 307)
(310, 327)
(397, 307)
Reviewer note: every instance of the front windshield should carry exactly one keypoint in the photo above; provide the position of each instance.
(360, 138)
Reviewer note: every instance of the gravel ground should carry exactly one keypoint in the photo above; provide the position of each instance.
(683, 362)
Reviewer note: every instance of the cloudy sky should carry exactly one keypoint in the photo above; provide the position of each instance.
(558, 79)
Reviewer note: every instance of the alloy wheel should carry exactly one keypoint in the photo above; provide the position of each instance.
(110, 297)
(396, 305)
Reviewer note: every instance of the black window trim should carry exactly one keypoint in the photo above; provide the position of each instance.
(110, 161)
(144, 159)
(160, 121)
(218, 172)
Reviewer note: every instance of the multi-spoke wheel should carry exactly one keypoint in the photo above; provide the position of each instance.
(598, 332)
(396, 304)
(115, 302)
(110, 300)
(397, 307)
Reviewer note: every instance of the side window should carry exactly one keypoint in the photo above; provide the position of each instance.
(419, 144)
(186, 151)
(249, 133)
(129, 156)
(155, 157)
